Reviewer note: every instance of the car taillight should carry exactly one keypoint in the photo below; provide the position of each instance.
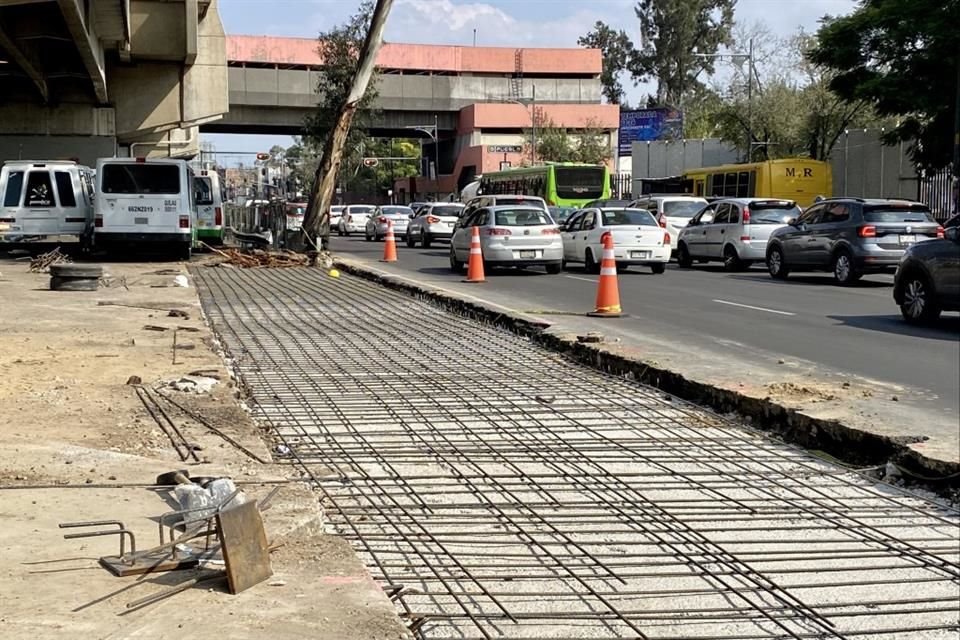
(867, 231)
(551, 231)
(98, 221)
(746, 215)
(940, 232)
(184, 222)
(666, 238)
(744, 238)
(218, 216)
(432, 220)
(498, 232)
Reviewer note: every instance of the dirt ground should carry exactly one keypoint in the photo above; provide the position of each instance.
(77, 444)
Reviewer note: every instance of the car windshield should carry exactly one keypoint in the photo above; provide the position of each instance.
(446, 211)
(522, 218)
(773, 213)
(396, 211)
(501, 200)
(359, 209)
(897, 215)
(633, 217)
(560, 214)
(682, 208)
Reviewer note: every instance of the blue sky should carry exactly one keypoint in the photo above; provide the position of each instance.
(531, 23)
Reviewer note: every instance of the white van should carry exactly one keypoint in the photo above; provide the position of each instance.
(208, 197)
(144, 202)
(42, 198)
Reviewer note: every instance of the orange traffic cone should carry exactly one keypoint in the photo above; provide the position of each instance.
(475, 264)
(390, 247)
(608, 293)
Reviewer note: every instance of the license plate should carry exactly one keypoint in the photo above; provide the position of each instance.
(141, 221)
(908, 239)
(528, 254)
(639, 255)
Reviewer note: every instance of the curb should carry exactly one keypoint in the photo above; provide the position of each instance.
(840, 441)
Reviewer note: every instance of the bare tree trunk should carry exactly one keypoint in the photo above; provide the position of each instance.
(316, 223)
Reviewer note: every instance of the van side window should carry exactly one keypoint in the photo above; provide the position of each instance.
(14, 187)
(65, 189)
(39, 190)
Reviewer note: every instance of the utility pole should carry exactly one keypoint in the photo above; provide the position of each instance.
(533, 120)
(956, 145)
(436, 158)
(316, 223)
(750, 103)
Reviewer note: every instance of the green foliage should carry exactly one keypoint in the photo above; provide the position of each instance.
(559, 144)
(673, 33)
(901, 57)
(619, 56)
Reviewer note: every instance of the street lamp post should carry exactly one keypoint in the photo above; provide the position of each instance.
(432, 131)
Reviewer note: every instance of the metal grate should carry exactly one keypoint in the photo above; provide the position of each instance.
(498, 491)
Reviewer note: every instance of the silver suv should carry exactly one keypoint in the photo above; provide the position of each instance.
(850, 237)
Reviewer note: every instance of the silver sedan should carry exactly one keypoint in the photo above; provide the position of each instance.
(434, 221)
(510, 236)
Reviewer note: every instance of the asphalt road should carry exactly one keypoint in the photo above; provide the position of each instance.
(856, 330)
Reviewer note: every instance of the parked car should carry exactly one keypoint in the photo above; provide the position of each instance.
(336, 212)
(734, 231)
(561, 214)
(637, 238)
(398, 215)
(928, 278)
(354, 218)
(498, 200)
(510, 236)
(673, 212)
(850, 237)
(434, 221)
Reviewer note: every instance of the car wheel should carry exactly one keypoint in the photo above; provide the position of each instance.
(589, 264)
(919, 301)
(455, 265)
(683, 256)
(367, 237)
(554, 268)
(731, 260)
(658, 267)
(776, 264)
(426, 240)
(843, 269)
(410, 241)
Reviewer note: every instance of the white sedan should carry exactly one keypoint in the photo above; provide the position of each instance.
(398, 216)
(637, 238)
(434, 221)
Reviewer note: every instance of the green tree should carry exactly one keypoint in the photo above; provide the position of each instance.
(592, 145)
(902, 57)
(673, 33)
(339, 49)
(619, 57)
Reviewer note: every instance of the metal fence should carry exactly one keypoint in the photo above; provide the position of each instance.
(621, 186)
(937, 191)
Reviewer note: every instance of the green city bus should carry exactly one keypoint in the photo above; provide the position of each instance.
(561, 184)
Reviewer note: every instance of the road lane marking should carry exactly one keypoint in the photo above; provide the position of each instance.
(583, 279)
(748, 306)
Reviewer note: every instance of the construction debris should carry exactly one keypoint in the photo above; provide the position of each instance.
(258, 258)
(41, 264)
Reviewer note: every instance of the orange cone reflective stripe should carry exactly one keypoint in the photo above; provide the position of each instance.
(608, 293)
(475, 263)
(390, 246)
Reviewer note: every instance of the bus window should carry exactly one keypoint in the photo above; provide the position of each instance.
(579, 182)
(140, 178)
(730, 185)
(65, 189)
(716, 186)
(743, 184)
(14, 187)
(39, 190)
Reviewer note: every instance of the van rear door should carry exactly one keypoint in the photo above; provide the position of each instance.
(137, 196)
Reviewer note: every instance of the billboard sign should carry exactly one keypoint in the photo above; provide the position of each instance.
(647, 125)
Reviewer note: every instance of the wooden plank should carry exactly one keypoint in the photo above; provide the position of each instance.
(243, 542)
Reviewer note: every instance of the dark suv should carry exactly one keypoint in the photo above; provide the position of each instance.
(850, 237)
(928, 279)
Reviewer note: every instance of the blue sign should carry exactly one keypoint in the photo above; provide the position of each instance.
(648, 124)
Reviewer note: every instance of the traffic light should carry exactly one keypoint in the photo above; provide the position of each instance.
(263, 156)
(371, 162)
